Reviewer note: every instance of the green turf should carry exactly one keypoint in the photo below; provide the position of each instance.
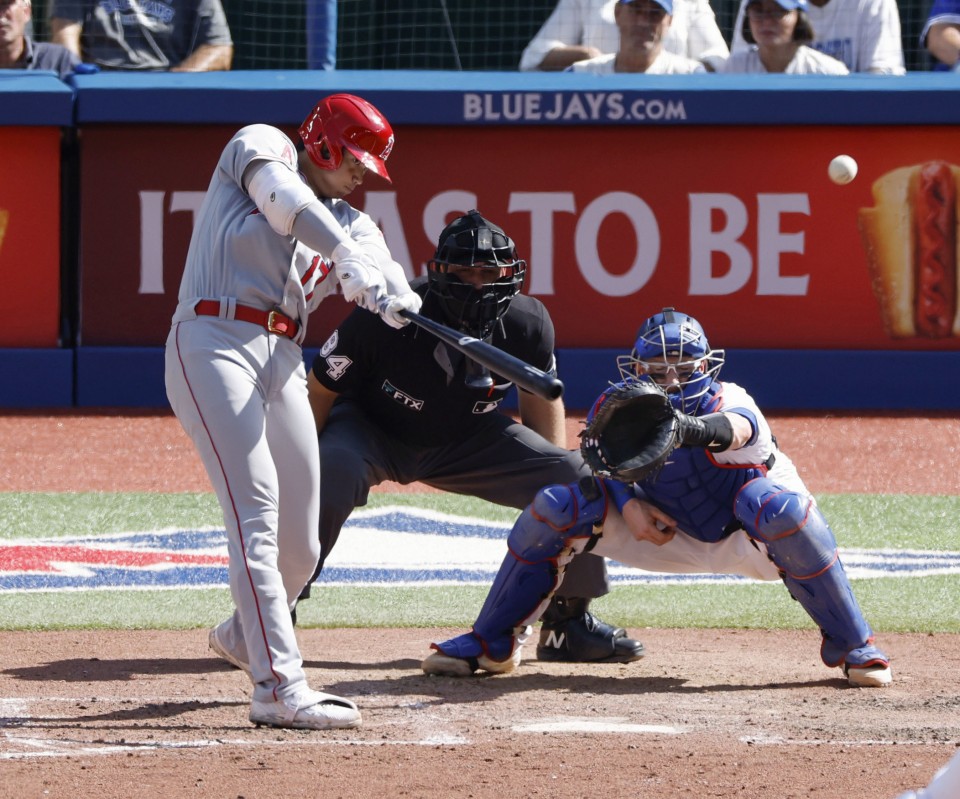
(922, 604)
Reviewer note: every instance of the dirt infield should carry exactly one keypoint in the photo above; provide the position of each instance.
(714, 713)
(707, 714)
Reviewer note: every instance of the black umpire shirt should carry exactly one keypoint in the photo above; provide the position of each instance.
(411, 384)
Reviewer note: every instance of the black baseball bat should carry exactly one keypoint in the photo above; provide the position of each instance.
(495, 359)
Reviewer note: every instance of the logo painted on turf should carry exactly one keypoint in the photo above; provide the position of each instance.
(388, 546)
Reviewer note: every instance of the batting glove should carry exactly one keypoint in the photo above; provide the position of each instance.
(360, 279)
(391, 306)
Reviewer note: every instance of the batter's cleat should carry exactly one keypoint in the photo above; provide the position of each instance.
(571, 634)
(867, 667)
(309, 710)
(217, 646)
(463, 655)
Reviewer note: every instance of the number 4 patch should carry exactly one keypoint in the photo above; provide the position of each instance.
(337, 366)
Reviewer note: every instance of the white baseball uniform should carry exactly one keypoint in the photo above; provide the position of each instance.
(693, 31)
(240, 393)
(863, 34)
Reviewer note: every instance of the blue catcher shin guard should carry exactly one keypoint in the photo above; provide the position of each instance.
(802, 545)
(557, 525)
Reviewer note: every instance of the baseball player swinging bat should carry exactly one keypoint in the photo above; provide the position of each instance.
(515, 370)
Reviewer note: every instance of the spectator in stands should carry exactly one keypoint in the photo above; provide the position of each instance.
(162, 35)
(863, 34)
(643, 26)
(941, 34)
(581, 29)
(19, 51)
(779, 32)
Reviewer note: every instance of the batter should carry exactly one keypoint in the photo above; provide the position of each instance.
(273, 238)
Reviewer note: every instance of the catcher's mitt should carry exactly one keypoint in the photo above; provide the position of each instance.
(630, 432)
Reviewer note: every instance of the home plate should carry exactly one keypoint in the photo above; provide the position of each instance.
(596, 725)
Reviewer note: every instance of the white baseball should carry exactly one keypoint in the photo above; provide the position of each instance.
(842, 169)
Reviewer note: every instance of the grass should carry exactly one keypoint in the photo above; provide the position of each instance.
(916, 604)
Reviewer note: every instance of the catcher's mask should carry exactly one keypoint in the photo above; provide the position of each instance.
(672, 350)
(345, 121)
(474, 242)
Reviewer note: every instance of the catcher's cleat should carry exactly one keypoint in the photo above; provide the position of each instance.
(867, 667)
(221, 651)
(309, 710)
(463, 655)
(571, 634)
(876, 676)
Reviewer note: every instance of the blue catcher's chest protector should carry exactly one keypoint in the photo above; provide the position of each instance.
(699, 494)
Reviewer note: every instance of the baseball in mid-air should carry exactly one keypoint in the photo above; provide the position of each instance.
(842, 169)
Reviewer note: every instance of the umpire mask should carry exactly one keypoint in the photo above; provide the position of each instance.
(473, 243)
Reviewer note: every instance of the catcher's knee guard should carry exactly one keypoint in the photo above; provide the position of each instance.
(557, 525)
(802, 545)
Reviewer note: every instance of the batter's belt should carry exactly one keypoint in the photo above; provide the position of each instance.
(271, 321)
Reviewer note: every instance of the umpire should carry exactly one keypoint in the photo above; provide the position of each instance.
(401, 405)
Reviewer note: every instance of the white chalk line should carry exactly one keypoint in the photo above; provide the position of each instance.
(776, 740)
(15, 711)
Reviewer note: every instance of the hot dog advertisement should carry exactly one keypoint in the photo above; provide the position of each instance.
(911, 242)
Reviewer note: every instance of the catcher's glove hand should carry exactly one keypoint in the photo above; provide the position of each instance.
(630, 432)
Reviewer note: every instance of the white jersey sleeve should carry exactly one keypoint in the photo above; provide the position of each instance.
(694, 33)
(880, 48)
(235, 256)
(761, 446)
(573, 22)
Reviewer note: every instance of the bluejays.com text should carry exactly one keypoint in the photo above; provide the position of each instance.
(569, 107)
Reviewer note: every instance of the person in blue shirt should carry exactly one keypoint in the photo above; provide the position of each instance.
(19, 51)
(941, 34)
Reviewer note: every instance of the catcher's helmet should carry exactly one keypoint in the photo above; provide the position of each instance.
(472, 241)
(343, 120)
(671, 341)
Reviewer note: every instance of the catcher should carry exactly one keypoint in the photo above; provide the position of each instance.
(672, 437)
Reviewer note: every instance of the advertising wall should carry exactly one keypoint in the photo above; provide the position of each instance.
(29, 235)
(737, 225)
(34, 109)
(625, 194)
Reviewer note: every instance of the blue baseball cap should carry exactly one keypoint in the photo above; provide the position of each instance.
(666, 5)
(788, 5)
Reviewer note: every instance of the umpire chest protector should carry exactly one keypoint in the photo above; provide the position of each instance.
(699, 492)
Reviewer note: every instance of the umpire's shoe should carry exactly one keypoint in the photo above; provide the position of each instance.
(571, 634)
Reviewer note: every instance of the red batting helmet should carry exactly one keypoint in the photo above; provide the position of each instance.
(343, 120)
